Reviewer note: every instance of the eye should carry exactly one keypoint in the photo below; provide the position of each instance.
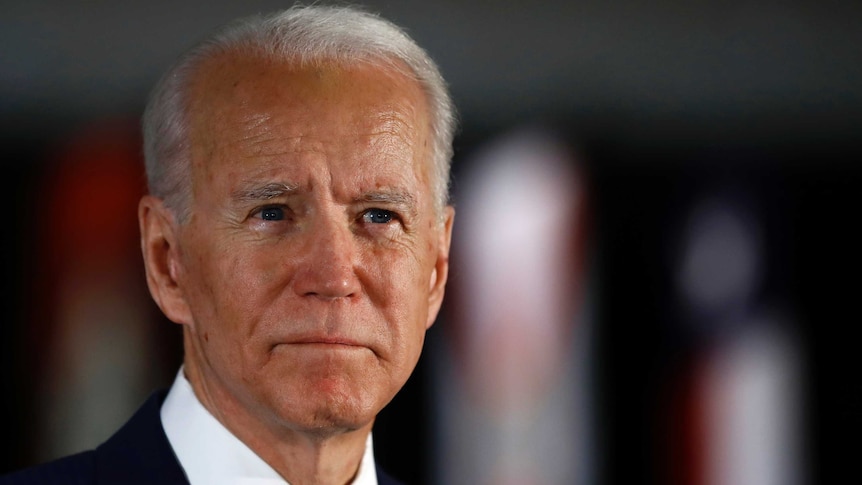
(272, 213)
(378, 216)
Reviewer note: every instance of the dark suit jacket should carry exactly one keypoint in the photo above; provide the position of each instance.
(138, 454)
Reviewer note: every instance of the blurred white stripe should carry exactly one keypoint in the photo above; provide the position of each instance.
(514, 401)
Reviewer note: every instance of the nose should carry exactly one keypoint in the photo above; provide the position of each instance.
(327, 261)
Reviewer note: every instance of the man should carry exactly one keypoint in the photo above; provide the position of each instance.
(297, 227)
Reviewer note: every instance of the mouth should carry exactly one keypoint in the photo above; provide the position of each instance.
(313, 347)
(327, 341)
(330, 342)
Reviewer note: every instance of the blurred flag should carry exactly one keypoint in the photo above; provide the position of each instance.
(511, 380)
(739, 416)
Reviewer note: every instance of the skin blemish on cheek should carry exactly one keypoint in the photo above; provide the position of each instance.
(206, 337)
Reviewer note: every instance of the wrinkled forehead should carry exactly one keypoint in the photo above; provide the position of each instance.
(240, 75)
(234, 97)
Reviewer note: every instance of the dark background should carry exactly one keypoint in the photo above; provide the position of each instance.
(664, 101)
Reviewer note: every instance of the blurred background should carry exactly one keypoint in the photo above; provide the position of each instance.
(655, 274)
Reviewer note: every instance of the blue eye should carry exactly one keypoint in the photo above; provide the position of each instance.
(378, 216)
(272, 214)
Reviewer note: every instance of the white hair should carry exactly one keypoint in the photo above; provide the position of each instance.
(301, 34)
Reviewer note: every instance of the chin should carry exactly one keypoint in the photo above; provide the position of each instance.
(324, 407)
(326, 421)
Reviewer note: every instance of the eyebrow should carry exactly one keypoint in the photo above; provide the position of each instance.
(392, 197)
(264, 192)
(278, 189)
(404, 199)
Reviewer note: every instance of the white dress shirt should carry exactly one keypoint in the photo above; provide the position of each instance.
(212, 455)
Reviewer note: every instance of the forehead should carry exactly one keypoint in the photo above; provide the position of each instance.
(254, 104)
(242, 84)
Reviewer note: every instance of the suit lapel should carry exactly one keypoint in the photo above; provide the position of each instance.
(384, 479)
(139, 453)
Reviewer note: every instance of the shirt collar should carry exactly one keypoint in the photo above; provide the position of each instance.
(212, 455)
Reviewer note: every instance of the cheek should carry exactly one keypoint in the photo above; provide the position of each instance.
(231, 313)
(399, 287)
(220, 288)
(393, 273)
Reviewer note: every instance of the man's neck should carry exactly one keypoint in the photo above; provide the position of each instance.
(302, 457)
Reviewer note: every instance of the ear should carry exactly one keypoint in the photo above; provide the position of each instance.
(159, 244)
(437, 284)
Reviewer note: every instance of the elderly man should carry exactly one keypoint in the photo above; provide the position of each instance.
(298, 228)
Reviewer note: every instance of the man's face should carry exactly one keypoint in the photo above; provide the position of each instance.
(313, 261)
